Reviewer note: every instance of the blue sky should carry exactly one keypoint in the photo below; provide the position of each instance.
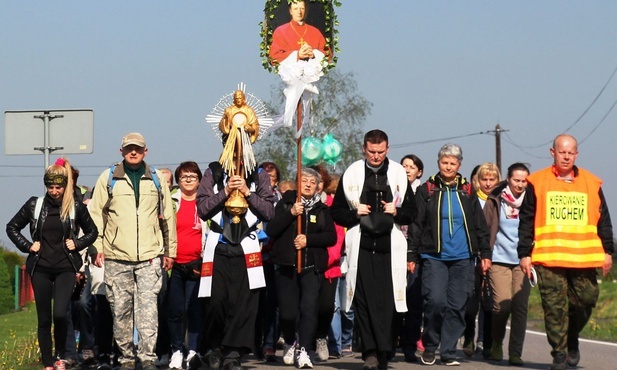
(432, 69)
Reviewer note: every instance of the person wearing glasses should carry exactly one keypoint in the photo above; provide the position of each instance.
(185, 312)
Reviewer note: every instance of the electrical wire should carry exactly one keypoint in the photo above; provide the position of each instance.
(580, 117)
(404, 145)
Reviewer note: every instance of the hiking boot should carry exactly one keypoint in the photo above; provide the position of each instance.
(322, 349)
(559, 362)
(176, 360)
(497, 352)
(573, 358)
(304, 361)
(428, 358)
(288, 353)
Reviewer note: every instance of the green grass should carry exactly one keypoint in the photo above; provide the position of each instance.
(19, 348)
(603, 322)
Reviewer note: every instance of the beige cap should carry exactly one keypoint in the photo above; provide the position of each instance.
(134, 138)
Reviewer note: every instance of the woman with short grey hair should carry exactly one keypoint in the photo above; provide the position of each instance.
(446, 236)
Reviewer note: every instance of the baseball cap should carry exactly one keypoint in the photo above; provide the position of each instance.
(134, 138)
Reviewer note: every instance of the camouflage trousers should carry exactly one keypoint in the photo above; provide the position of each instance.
(568, 297)
(132, 289)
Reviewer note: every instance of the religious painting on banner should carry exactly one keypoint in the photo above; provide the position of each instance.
(299, 42)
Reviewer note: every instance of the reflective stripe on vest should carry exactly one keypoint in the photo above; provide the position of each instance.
(567, 215)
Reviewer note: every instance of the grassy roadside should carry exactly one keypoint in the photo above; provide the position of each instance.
(19, 348)
(603, 322)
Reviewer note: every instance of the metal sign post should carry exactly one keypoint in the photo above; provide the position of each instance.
(71, 132)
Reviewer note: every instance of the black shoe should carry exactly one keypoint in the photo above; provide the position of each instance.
(371, 362)
(269, 355)
(573, 358)
(428, 358)
(383, 358)
(259, 354)
(215, 359)
(194, 363)
(559, 362)
(232, 365)
(104, 362)
(411, 357)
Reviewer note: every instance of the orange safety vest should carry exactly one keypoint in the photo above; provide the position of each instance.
(566, 221)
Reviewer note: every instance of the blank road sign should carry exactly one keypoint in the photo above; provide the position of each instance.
(72, 130)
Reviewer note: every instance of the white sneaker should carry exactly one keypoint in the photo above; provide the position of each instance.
(176, 360)
(304, 361)
(288, 353)
(322, 349)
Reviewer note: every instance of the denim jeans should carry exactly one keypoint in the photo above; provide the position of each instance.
(446, 286)
(341, 328)
(184, 304)
(80, 315)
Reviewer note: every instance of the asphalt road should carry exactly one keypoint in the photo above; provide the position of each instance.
(594, 355)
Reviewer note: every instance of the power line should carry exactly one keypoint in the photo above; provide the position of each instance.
(522, 148)
(581, 116)
(599, 123)
(396, 146)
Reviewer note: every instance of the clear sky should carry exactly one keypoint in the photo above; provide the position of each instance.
(433, 70)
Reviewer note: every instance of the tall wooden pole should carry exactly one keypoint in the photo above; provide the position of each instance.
(299, 182)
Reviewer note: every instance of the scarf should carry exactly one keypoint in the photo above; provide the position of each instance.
(310, 203)
(510, 203)
(482, 195)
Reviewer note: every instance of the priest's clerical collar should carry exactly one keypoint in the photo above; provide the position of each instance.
(374, 169)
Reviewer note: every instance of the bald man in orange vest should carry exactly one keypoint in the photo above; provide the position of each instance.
(565, 233)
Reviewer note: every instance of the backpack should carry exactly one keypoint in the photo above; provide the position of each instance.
(111, 181)
(38, 207)
(465, 189)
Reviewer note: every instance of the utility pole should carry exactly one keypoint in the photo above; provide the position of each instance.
(498, 132)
